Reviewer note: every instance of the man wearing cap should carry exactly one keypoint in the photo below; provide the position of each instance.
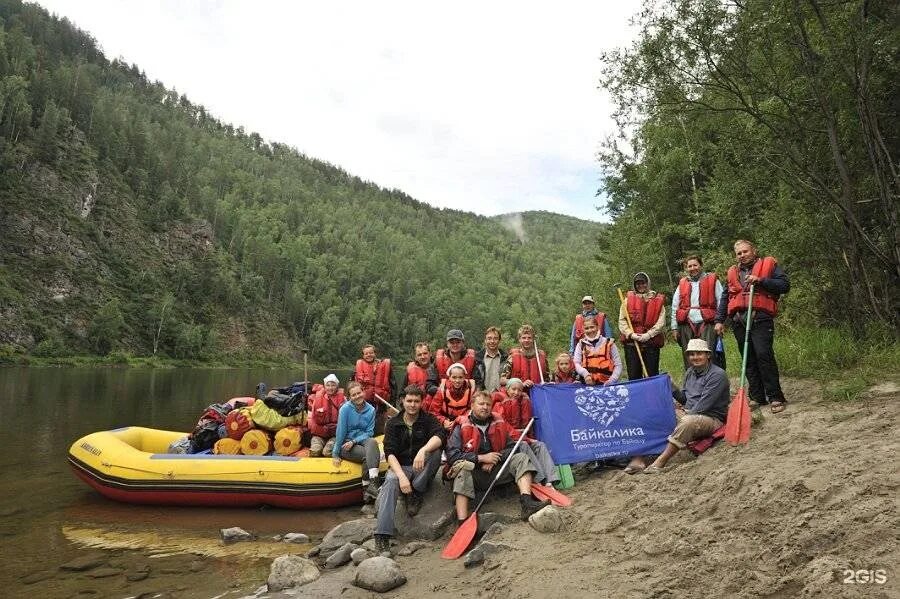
(647, 311)
(702, 402)
(325, 406)
(455, 352)
(587, 309)
(489, 361)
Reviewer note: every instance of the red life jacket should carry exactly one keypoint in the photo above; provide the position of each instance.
(579, 324)
(516, 412)
(527, 368)
(375, 377)
(498, 433)
(324, 414)
(708, 302)
(443, 361)
(446, 406)
(564, 377)
(644, 314)
(598, 360)
(416, 375)
(739, 295)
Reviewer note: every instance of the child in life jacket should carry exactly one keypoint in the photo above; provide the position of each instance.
(597, 358)
(516, 411)
(565, 370)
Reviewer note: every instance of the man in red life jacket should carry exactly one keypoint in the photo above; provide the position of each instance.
(770, 283)
(694, 305)
(648, 317)
(455, 352)
(587, 309)
(375, 376)
(522, 362)
(489, 361)
(421, 372)
(323, 417)
(476, 449)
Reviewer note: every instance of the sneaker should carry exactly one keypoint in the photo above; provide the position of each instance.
(382, 544)
(371, 492)
(531, 506)
(414, 503)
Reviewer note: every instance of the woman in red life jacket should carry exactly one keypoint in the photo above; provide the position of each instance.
(323, 417)
(516, 411)
(454, 396)
(565, 370)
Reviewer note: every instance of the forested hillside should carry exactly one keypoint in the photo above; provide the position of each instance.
(133, 221)
(774, 121)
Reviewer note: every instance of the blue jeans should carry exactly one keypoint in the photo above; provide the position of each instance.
(390, 490)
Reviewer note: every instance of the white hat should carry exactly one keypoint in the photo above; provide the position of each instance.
(331, 378)
(587, 298)
(457, 365)
(697, 345)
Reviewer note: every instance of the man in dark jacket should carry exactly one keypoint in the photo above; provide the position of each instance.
(412, 447)
(702, 402)
(769, 282)
(489, 362)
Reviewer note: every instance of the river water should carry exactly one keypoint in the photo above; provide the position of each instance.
(48, 517)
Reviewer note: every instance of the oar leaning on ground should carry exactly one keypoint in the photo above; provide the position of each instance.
(466, 531)
(737, 423)
(387, 403)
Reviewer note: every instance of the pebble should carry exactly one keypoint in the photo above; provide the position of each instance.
(341, 556)
(379, 574)
(296, 537)
(234, 534)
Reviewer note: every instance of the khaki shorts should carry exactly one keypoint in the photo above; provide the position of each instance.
(319, 447)
(467, 481)
(691, 427)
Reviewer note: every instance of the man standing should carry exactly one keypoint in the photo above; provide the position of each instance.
(478, 445)
(702, 403)
(587, 309)
(522, 362)
(694, 306)
(455, 352)
(375, 376)
(648, 317)
(770, 283)
(489, 362)
(421, 371)
(412, 444)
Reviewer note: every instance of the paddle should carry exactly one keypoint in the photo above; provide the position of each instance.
(548, 492)
(737, 423)
(564, 471)
(385, 402)
(466, 531)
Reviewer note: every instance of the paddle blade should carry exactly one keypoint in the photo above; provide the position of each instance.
(460, 541)
(737, 425)
(547, 492)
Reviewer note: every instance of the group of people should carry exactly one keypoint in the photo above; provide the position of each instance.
(473, 406)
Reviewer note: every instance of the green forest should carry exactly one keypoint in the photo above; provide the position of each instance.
(134, 223)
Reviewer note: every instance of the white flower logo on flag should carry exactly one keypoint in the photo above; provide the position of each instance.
(602, 404)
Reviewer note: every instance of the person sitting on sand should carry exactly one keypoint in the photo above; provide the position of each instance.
(516, 410)
(702, 403)
(323, 417)
(478, 445)
(412, 445)
(353, 438)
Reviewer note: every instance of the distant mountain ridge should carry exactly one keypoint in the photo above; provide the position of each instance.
(133, 221)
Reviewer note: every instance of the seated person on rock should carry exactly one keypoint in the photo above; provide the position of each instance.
(353, 438)
(477, 447)
(454, 396)
(596, 357)
(515, 409)
(412, 445)
(702, 402)
(325, 406)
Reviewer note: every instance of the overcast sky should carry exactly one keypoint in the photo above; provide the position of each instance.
(489, 107)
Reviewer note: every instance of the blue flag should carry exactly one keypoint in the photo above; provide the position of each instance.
(580, 423)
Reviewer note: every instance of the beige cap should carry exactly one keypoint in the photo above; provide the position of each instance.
(697, 345)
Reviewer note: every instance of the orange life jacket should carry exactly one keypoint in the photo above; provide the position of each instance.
(445, 405)
(579, 324)
(324, 414)
(375, 377)
(527, 368)
(739, 295)
(443, 361)
(644, 314)
(598, 360)
(708, 302)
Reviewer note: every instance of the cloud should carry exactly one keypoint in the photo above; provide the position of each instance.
(486, 107)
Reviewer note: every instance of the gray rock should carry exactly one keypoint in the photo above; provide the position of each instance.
(473, 558)
(435, 515)
(358, 555)
(105, 572)
(314, 551)
(368, 510)
(137, 576)
(289, 571)
(370, 545)
(341, 556)
(379, 574)
(196, 565)
(482, 550)
(234, 534)
(495, 530)
(412, 547)
(547, 520)
(295, 537)
(488, 519)
(83, 563)
(352, 531)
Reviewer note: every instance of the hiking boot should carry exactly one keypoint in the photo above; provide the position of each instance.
(371, 492)
(530, 505)
(382, 544)
(414, 503)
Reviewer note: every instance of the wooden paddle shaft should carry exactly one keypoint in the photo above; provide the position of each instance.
(505, 464)
(387, 403)
(637, 344)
